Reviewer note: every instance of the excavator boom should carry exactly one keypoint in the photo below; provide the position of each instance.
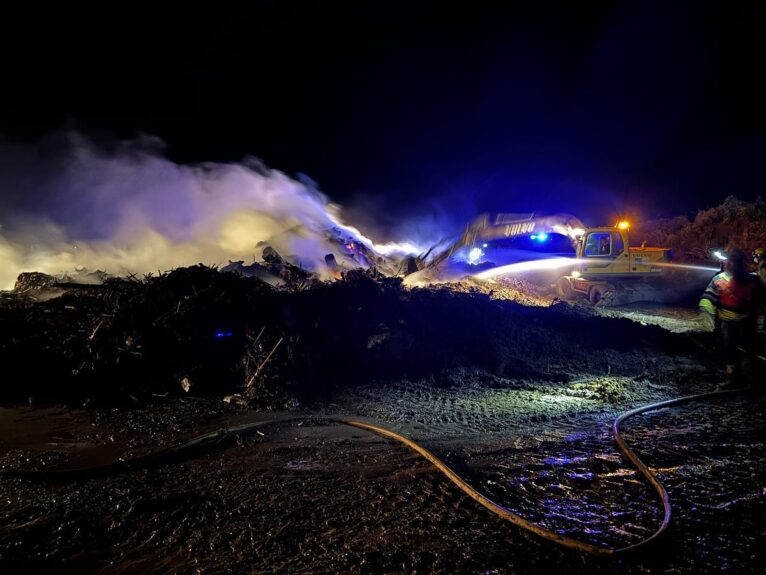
(492, 227)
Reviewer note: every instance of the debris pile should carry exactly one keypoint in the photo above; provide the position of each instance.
(33, 281)
(206, 332)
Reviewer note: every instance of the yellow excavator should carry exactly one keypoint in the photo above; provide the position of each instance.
(609, 271)
(605, 269)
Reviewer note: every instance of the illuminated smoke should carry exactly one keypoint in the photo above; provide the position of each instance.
(130, 210)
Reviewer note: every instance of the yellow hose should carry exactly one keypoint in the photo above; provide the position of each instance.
(508, 515)
(215, 438)
(496, 508)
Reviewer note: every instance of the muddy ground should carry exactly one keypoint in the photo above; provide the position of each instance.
(309, 495)
(313, 496)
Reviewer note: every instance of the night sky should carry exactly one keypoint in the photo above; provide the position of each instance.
(587, 107)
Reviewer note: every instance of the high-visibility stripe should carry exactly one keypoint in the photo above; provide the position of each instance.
(729, 315)
(707, 305)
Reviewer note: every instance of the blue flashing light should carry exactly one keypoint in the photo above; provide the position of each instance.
(223, 334)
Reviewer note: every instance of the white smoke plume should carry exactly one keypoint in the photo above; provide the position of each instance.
(70, 204)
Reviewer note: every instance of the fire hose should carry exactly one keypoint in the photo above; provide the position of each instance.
(216, 438)
(519, 521)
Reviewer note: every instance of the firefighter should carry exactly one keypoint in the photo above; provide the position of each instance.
(735, 298)
(759, 257)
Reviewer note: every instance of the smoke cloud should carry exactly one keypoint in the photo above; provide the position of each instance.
(67, 204)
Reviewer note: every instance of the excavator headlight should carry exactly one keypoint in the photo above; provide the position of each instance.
(623, 225)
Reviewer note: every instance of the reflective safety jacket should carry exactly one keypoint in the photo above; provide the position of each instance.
(762, 271)
(733, 298)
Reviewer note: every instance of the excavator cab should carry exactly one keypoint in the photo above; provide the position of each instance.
(607, 252)
(603, 243)
(609, 266)
(603, 250)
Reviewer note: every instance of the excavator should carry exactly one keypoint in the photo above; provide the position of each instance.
(609, 271)
(602, 268)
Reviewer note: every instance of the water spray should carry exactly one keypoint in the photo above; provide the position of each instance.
(688, 267)
(535, 265)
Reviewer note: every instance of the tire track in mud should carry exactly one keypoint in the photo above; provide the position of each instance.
(320, 498)
(562, 469)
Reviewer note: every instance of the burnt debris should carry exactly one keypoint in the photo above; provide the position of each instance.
(202, 331)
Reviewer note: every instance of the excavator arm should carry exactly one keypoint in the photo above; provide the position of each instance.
(491, 227)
